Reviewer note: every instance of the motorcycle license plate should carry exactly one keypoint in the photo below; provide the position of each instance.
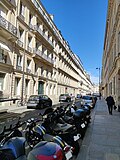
(76, 137)
(68, 155)
(83, 125)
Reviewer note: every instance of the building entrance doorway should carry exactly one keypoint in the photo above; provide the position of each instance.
(40, 87)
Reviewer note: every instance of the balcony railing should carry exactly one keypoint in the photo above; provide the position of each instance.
(3, 58)
(8, 26)
(19, 67)
(42, 55)
(22, 17)
(36, 28)
(29, 49)
(54, 28)
(20, 43)
(12, 2)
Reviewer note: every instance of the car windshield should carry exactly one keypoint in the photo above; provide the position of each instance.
(64, 95)
(87, 97)
(33, 97)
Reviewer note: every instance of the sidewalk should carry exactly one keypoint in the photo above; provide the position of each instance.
(102, 138)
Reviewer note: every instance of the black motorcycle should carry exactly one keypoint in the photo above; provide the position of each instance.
(66, 131)
(36, 133)
(13, 147)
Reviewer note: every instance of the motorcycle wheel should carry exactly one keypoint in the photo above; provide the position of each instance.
(76, 147)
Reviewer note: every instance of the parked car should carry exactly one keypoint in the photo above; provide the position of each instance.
(78, 96)
(39, 102)
(87, 100)
(65, 98)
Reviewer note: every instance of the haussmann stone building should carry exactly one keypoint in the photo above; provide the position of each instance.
(34, 56)
(111, 56)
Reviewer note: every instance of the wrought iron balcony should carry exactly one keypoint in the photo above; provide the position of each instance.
(8, 26)
(42, 55)
(12, 2)
(19, 67)
(53, 27)
(3, 60)
(20, 43)
(47, 58)
(22, 17)
(29, 49)
(36, 28)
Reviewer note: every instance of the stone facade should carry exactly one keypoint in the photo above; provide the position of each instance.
(111, 55)
(34, 56)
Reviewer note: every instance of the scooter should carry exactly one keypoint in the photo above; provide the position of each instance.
(76, 118)
(36, 133)
(66, 131)
(13, 148)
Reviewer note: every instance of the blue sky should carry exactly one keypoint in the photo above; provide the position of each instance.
(82, 24)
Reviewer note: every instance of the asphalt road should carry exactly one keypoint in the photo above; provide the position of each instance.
(6, 119)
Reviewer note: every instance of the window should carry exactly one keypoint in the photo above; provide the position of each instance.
(28, 63)
(47, 73)
(51, 89)
(41, 70)
(54, 89)
(47, 89)
(45, 97)
(30, 18)
(17, 86)
(35, 67)
(3, 11)
(26, 87)
(3, 58)
(55, 75)
(37, 45)
(1, 81)
(19, 60)
(22, 9)
(21, 34)
(30, 41)
(28, 66)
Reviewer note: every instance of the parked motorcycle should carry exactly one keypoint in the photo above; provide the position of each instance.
(13, 148)
(66, 131)
(36, 133)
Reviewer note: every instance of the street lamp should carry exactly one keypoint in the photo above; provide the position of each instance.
(99, 79)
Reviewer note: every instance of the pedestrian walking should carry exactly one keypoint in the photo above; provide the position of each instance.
(100, 96)
(110, 103)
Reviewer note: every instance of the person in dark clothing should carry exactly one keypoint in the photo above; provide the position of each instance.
(110, 103)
